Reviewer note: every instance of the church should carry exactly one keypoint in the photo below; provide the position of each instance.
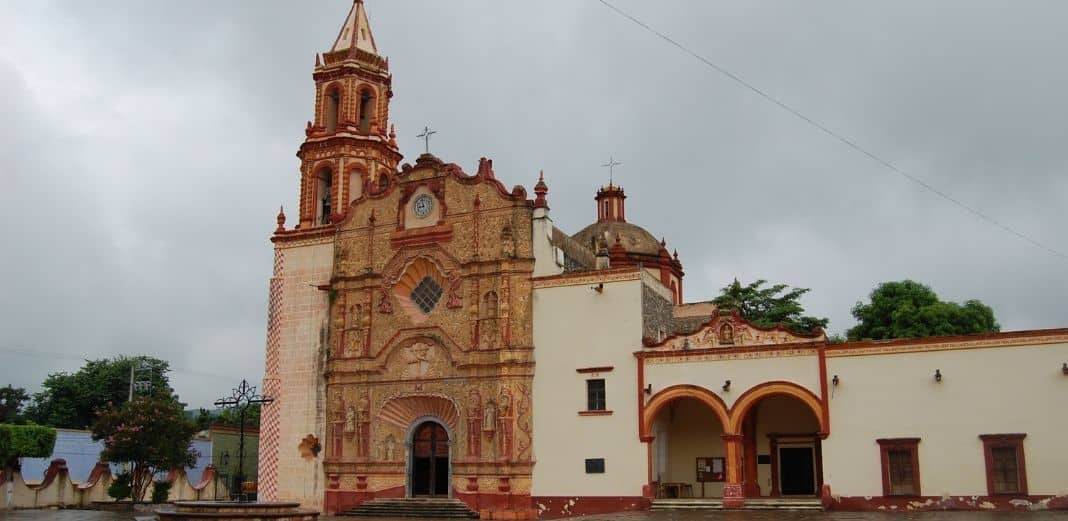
(429, 335)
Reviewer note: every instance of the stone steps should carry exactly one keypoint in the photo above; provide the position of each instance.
(750, 504)
(413, 507)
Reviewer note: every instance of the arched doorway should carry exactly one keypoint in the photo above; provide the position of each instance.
(428, 463)
(781, 432)
(688, 457)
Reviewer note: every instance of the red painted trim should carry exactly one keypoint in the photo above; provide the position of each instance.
(942, 503)
(585, 274)
(992, 441)
(824, 397)
(893, 444)
(603, 369)
(595, 413)
(796, 389)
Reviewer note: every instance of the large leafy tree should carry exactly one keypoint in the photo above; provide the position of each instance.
(769, 306)
(152, 433)
(908, 309)
(70, 400)
(11, 401)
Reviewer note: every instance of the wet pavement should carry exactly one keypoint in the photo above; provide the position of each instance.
(90, 515)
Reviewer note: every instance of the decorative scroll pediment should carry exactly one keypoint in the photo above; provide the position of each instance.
(731, 330)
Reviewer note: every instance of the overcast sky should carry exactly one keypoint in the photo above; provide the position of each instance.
(145, 148)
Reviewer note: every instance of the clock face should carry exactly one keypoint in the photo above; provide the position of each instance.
(423, 204)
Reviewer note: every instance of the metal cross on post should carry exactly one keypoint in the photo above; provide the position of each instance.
(611, 164)
(242, 398)
(425, 136)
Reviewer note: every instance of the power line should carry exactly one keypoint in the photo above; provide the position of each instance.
(844, 140)
(45, 354)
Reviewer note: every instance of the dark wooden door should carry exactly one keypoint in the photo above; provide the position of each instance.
(796, 471)
(430, 461)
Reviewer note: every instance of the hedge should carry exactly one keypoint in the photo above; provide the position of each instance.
(25, 441)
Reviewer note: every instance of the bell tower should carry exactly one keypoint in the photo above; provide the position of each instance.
(350, 148)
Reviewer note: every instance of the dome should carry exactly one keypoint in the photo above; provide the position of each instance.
(632, 237)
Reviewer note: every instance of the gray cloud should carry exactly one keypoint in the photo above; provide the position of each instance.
(147, 146)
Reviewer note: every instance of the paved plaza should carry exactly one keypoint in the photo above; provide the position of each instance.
(89, 515)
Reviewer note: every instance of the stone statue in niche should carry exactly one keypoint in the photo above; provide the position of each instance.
(353, 345)
(363, 425)
(474, 418)
(726, 334)
(489, 418)
(389, 448)
(350, 421)
(505, 422)
(337, 425)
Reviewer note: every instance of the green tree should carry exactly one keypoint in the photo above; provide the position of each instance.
(11, 400)
(232, 416)
(70, 400)
(908, 309)
(24, 441)
(151, 433)
(769, 306)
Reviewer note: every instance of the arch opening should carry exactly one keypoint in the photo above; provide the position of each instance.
(324, 190)
(333, 108)
(429, 466)
(781, 445)
(366, 111)
(688, 455)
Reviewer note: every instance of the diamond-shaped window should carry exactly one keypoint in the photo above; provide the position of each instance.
(426, 294)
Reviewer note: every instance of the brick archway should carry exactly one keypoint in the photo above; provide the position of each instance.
(676, 392)
(751, 397)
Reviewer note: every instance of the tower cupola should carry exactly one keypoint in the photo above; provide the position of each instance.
(610, 200)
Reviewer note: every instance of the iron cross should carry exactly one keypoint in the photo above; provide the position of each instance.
(611, 164)
(427, 132)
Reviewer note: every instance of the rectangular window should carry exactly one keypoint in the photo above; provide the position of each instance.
(1005, 470)
(900, 461)
(595, 400)
(595, 466)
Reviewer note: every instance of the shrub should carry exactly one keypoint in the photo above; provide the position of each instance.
(160, 490)
(24, 441)
(120, 487)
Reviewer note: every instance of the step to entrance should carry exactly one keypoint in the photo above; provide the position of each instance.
(750, 504)
(413, 507)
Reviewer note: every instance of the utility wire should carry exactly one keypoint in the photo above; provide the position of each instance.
(844, 140)
(44, 354)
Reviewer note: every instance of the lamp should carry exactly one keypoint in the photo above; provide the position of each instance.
(835, 380)
(727, 386)
(598, 288)
(938, 375)
(648, 388)
(226, 459)
(1064, 368)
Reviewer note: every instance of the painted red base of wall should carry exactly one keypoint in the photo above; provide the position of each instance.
(552, 507)
(924, 503)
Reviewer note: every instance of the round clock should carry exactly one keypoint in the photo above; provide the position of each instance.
(423, 204)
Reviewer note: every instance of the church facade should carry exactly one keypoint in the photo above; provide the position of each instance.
(432, 333)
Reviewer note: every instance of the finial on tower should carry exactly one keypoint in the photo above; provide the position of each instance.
(356, 32)
(541, 189)
(281, 220)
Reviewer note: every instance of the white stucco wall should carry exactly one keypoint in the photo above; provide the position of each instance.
(983, 391)
(577, 327)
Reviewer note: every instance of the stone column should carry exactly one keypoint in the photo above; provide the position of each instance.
(734, 490)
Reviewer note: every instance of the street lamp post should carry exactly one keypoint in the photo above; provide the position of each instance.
(242, 398)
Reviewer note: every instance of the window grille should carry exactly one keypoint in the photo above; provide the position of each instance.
(426, 294)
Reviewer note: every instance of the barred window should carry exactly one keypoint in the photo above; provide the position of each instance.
(1005, 470)
(902, 481)
(426, 294)
(595, 399)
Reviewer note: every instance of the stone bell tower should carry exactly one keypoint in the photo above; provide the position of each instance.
(350, 147)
